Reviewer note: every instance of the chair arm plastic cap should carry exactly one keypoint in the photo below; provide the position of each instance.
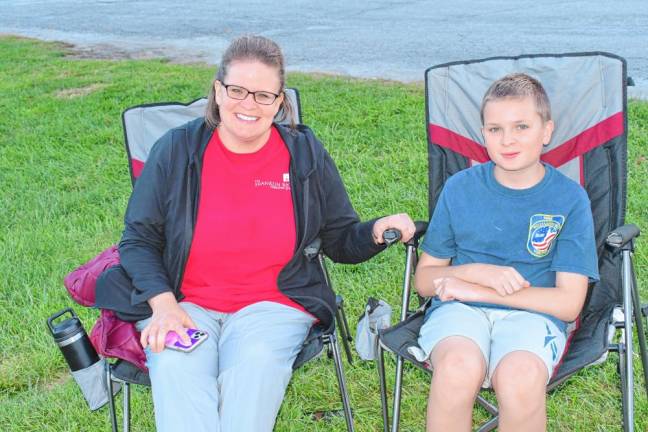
(622, 235)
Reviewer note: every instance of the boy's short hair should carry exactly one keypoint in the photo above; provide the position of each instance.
(518, 85)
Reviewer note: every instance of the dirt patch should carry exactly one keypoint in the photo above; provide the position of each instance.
(57, 381)
(112, 52)
(79, 91)
(100, 52)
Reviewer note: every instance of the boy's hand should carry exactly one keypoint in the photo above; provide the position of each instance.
(504, 280)
(452, 288)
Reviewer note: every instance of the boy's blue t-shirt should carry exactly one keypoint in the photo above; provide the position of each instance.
(539, 231)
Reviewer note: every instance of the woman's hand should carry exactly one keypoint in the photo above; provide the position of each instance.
(401, 222)
(167, 316)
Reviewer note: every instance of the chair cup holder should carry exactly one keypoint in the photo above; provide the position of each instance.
(92, 382)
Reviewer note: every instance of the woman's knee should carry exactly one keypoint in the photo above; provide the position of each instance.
(263, 353)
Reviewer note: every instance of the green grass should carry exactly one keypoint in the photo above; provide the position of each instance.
(64, 185)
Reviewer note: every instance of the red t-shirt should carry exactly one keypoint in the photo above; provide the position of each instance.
(245, 230)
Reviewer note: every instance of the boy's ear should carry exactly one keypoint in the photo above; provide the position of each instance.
(548, 132)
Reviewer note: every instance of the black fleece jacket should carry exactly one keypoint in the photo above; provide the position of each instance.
(162, 211)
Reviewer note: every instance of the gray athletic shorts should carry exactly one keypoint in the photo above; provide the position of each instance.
(497, 332)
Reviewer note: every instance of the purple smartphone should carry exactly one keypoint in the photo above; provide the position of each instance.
(196, 337)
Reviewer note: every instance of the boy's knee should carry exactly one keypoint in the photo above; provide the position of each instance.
(460, 366)
(519, 378)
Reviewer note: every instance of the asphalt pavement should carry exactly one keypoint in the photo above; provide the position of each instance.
(383, 39)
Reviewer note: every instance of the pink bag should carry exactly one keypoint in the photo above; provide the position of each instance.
(81, 282)
(113, 337)
(110, 336)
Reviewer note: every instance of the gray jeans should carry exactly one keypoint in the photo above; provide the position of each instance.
(234, 381)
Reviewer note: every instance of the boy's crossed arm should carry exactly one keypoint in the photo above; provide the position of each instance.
(500, 285)
(504, 280)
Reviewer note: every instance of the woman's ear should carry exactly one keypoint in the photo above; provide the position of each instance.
(281, 99)
(218, 92)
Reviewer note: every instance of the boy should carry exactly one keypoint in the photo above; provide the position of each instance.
(508, 254)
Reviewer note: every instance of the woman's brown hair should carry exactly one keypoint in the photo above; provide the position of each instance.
(257, 48)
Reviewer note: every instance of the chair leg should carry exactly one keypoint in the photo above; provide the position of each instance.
(343, 328)
(624, 397)
(641, 331)
(126, 402)
(489, 425)
(398, 387)
(627, 384)
(339, 371)
(492, 410)
(111, 398)
(627, 340)
(383, 385)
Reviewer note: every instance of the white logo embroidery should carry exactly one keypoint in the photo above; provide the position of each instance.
(276, 185)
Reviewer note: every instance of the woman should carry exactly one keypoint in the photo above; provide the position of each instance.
(214, 238)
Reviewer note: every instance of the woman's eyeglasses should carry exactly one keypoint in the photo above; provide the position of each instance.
(240, 93)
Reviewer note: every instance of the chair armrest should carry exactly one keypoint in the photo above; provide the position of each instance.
(619, 237)
(421, 228)
(392, 235)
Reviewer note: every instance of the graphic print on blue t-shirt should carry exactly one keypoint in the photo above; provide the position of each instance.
(543, 230)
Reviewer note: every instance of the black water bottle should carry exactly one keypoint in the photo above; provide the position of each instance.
(73, 341)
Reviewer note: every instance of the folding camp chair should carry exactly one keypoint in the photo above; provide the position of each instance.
(143, 125)
(588, 99)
